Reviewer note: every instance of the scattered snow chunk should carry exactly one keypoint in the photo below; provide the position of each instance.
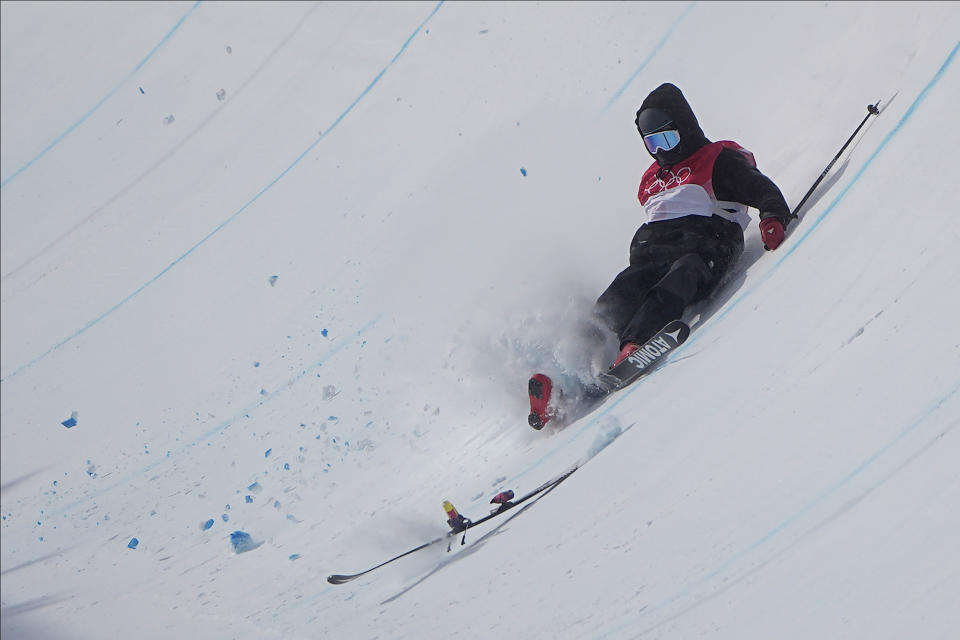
(242, 542)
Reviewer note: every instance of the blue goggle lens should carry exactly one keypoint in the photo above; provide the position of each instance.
(661, 140)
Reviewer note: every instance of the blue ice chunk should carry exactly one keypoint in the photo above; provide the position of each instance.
(266, 454)
(523, 171)
(133, 543)
(286, 466)
(255, 487)
(242, 542)
(206, 525)
(248, 499)
(294, 556)
(273, 280)
(224, 517)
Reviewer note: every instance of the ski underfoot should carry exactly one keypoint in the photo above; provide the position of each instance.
(647, 357)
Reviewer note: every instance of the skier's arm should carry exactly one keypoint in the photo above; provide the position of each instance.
(736, 180)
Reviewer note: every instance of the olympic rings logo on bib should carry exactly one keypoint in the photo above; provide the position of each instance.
(666, 179)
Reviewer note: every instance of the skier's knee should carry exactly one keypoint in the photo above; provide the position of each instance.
(686, 277)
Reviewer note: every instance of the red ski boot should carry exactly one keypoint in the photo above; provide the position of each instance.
(627, 351)
(540, 388)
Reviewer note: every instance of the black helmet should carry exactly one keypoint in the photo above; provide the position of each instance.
(653, 120)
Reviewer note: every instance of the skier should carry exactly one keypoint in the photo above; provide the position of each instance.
(695, 196)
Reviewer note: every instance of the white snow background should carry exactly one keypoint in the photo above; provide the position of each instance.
(286, 267)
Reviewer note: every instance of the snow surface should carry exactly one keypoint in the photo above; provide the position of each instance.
(283, 269)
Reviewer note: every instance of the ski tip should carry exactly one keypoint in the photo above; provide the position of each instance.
(338, 579)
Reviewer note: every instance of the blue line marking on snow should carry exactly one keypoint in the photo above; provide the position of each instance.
(109, 95)
(651, 55)
(773, 532)
(893, 132)
(230, 219)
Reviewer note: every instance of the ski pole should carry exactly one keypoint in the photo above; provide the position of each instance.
(872, 110)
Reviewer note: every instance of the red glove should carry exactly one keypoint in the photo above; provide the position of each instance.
(771, 232)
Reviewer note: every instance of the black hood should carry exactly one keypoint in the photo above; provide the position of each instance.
(669, 99)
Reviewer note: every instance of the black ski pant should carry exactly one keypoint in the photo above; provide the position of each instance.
(673, 264)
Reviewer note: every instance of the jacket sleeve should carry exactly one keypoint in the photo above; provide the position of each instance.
(737, 180)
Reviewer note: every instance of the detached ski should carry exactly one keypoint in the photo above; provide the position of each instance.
(459, 524)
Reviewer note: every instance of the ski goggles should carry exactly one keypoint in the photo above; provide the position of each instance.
(661, 140)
